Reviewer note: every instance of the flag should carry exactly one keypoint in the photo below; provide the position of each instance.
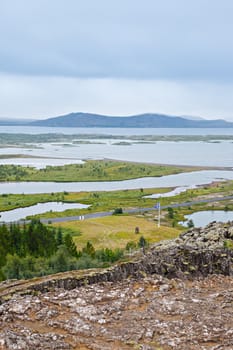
(157, 205)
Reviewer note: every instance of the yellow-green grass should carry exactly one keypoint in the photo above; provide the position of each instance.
(93, 170)
(116, 231)
(106, 201)
(13, 201)
(103, 201)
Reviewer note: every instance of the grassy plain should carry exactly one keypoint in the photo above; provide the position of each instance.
(102, 201)
(116, 231)
(13, 201)
(99, 201)
(96, 170)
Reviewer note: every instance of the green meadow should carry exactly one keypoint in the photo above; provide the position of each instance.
(96, 170)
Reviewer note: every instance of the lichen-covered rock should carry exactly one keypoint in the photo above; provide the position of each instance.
(148, 313)
(197, 252)
(176, 296)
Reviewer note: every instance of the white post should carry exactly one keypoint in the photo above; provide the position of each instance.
(159, 216)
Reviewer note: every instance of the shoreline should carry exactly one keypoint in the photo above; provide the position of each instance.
(197, 167)
(82, 160)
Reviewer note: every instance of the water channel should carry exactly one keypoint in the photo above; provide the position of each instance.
(203, 218)
(184, 179)
(22, 213)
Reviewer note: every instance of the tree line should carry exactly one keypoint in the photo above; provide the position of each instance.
(36, 250)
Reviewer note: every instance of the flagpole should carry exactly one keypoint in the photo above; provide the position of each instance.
(159, 215)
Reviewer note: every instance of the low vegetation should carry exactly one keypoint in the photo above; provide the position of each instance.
(22, 139)
(116, 231)
(36, 249)
(13, 201)
(106, 201)
(89, 171)
(126, 199)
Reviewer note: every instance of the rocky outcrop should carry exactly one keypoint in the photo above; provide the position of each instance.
(160, 301)
(198, 252)
(153, 313)
(195, 253)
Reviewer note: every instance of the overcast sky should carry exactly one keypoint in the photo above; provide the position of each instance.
(116, 57)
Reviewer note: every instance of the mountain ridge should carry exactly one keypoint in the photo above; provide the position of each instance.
(146, 120)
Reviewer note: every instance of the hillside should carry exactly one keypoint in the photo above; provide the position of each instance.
(138, 121)
(178, 296)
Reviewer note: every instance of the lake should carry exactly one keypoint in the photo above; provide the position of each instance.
(172, 193)
(21, 213)
(203, 218)
(183, 153)
(116, 131)
(184, 179)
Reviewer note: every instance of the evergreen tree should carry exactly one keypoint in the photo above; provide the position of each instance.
(14, 239)
(62, 261)
(70, 245)
(59, 238)
(13, 267)
(89, 249)
(142, 243)
(170, 212)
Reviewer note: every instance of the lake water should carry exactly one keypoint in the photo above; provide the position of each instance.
(203, 218)
(116, 131)
(183, 153)
(172, 193)
(22, 213)
(185, 179)
(39, 163)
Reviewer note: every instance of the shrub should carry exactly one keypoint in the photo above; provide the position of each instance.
(118, 211)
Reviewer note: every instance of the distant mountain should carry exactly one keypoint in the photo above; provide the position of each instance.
(191, 117)
(149, 120)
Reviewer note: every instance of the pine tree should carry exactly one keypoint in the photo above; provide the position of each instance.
(142, 243)
(70, 245)
(59, 238)
(89, 249)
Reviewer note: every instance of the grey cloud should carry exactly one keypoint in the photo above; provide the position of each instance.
(147, 39)
(41, 97)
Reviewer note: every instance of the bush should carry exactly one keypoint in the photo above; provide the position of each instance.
(62, 261)
(109, 255)
(87, 262)
(131, 245)
(118, 211)
(228, 244)
(190, 223)
(170, 213)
